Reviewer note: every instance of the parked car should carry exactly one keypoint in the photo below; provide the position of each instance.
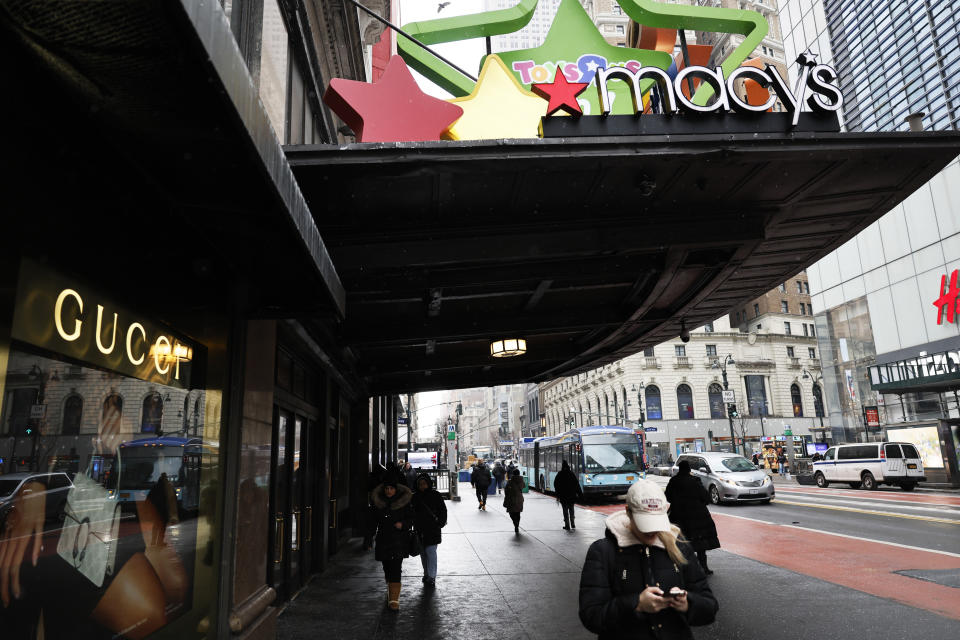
(58, 486)
(871, 464)
(728, 477)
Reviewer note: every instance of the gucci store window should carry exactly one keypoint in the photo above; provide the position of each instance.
(109, 468)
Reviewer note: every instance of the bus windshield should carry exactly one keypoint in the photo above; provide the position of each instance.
(611, 453)
(141, 467)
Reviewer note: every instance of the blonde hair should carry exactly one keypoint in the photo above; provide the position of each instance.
(669, 541)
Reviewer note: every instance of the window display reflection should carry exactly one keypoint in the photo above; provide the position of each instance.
(106, 495)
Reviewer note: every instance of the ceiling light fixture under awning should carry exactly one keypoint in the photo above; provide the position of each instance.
(508, 348)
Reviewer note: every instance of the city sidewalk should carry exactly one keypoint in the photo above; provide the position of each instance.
(492, 583)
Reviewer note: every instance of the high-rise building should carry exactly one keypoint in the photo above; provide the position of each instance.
(531, 35)
(885, 301)
(610, 20)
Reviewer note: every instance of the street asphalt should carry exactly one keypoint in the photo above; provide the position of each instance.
(852, 565)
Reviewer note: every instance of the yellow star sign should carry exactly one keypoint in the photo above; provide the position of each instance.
(498, 107)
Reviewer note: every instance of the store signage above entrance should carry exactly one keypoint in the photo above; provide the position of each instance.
(72, 319)
(600, 89)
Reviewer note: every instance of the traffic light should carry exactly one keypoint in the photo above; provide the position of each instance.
(732, 409)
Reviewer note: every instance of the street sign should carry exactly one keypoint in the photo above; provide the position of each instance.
(403, 420)
(451, 427)
(451, 435)
(38, 411)
(871, 415)
(729, 396)
(650, 429)
(787, 431)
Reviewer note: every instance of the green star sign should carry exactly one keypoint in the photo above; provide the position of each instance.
(574, 40)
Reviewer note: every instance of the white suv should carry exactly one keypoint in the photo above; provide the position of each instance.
(870, 464)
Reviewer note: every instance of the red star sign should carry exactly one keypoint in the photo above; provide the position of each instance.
(391, 110)
(561, 94)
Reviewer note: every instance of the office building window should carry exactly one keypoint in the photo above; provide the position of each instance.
(784, 306)
(805, 331)
(708, 327)
(654, 407)
(812, 353)
(806, 288)
(756, 310)
(685, 402)
(810, 308)
(797, 401)
(680, 350)
(712, 350)
(786, 328)
(715, 397)
(756, 395)
(803, 309)
(799, 287)
(648, 352)
(782, 287)
(790, 353)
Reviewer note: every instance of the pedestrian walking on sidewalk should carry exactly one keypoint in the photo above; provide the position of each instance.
(481, 482)
(629, 573)
(688, 510)
(513, 498)
(499, 474)
(410, 476)
(782, 463)
(568, 491)
(430, 516)
(394, 518)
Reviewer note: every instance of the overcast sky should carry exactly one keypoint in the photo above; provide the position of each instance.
(465, 55)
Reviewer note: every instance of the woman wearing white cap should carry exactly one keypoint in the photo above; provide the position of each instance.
(639, 580)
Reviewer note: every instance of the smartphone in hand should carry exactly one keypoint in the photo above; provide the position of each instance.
(673, 594)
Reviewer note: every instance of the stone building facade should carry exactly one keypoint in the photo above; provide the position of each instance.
(679, 386)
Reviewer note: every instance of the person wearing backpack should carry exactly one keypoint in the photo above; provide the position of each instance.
(640, 580)
(430, 516)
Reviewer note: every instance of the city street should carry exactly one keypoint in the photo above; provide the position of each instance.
(814, 563)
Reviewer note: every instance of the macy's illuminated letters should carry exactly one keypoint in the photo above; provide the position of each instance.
(815, 88)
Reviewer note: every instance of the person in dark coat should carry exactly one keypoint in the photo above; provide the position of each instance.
(688, 510)
(481, 482)
(499, 473)
(629, 574)
(410, 476)
(395, 516)
(568, 491)
(430, 516)
(370, 518)
(513, 498)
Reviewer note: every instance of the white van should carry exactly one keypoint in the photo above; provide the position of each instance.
(870, 464)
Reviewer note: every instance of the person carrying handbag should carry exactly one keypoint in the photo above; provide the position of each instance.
(394, 520)
(430, 517)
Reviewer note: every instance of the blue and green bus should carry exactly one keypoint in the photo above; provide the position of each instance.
(605, 459)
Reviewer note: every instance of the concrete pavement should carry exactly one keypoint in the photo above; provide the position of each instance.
(525, 587)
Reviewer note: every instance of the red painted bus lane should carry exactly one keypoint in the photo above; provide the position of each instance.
(858, 564)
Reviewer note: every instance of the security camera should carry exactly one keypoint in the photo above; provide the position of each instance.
(684, 332)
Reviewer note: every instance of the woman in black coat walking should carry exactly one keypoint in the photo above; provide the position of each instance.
(640, 580)
(513, 498)
(394, 518)
(688, 510)
(430, 516)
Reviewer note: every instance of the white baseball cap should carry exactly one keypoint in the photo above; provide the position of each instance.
(648, 506)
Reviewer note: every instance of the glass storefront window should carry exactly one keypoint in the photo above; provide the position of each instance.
(119, 499)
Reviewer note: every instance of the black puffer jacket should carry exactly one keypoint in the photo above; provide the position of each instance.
(430, 512)
(688, 510)
(513, 495)
(392, 542)
(611, 582)
(481, 476)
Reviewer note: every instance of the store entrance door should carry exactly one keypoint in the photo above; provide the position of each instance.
(291, 503)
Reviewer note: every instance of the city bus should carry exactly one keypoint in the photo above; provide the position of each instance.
(142, 461)
(605, 459)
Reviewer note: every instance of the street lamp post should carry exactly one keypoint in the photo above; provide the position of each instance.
(817, 403)
(723, 371)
